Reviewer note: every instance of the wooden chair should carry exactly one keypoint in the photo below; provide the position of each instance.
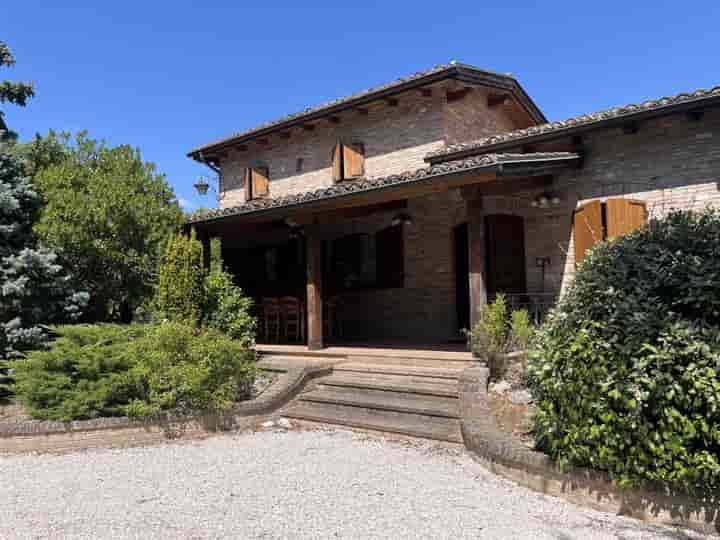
(292, 313)
(271, 319)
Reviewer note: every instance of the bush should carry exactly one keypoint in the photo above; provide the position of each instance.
(490, 333)
(521, 330)
(627, 371)
(185, 369)
(84, 375)
(226, 309)
(181, 293)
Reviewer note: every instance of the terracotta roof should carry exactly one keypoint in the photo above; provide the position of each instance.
(371, 184)
(585, 121)
(460, 71)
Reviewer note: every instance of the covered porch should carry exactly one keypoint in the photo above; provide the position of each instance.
(404, 262)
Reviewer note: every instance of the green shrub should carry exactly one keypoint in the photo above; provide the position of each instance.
(226, 309)
(626, 374)
(521, 329)
(187, 369)
(180, 293)
(490, 333)
(85, 374)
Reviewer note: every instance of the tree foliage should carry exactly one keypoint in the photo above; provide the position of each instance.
(181, 289)
(16, 93)
(226, 308)
(34, 288)
(108, 214)
(627, 372)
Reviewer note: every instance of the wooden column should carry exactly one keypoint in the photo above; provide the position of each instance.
(476, 257)
(314, 289)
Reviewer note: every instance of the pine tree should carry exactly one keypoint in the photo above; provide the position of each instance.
(34, 289)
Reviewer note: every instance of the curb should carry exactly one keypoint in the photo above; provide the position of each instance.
(507, 457)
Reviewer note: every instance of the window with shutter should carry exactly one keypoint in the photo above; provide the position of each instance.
(257, 182)
(390, 254)
(597, 221)
(348, 161)
(588, 228)
(623, 216)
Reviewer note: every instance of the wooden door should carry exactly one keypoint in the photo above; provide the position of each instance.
(505, 252)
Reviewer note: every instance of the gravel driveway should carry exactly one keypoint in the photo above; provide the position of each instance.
(275, 484)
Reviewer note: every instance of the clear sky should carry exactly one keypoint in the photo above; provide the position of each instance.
(168, 76)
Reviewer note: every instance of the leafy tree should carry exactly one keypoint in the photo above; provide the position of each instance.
(16, 93)
(181, 293)
(34, 289)
(108, 214)
(226, 308)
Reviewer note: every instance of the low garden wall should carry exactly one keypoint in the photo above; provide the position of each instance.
(47, 436)
(508, 457)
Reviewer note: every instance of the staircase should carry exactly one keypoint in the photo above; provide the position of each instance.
(410, 395)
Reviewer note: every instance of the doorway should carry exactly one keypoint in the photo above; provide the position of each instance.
(505, 254)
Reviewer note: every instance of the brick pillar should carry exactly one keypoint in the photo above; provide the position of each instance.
(314, 289)
(476, 257)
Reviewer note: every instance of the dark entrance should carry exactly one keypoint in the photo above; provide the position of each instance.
(505, 252)
(462, 269)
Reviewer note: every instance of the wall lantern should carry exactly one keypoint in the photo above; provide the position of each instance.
(546, 200)
(202, 186)
(402, 219)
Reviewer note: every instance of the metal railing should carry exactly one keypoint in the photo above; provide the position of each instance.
(537, 304)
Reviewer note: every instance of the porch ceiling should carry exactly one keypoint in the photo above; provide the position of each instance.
(373, 191)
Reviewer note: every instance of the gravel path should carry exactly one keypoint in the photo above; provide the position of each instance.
(296, 485)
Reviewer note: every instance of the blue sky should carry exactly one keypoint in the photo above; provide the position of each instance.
(168, 76)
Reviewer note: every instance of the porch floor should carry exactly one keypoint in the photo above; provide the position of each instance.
(387, 351)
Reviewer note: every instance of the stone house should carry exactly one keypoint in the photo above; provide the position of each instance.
(413, 203)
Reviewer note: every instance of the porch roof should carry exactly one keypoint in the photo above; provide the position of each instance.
(684, 102)
(499, 164)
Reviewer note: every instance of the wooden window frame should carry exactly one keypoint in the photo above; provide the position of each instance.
(248, 179)
(340, 163)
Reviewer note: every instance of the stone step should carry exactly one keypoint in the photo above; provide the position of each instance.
(415, 425)
(460, 362)
(385, 400)
(439, 372)
(429, 386)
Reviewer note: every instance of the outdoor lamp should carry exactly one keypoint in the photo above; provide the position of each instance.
(202, 186)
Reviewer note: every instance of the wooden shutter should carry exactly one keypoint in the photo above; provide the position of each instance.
(587, 229)
(337, 166)
(390, 256)
(624, 216)
(260, 182)
(353, 160)
(248, 184)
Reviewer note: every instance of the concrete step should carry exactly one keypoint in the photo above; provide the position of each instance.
(430, 386)
(385, 400)
(439, 372)
(415, 425)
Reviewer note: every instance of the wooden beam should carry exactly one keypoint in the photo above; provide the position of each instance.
(392, 102)
(313, 246)
(333, 216)
(309, 127)
(241, 147)
(630, 128)
(425, 92)
(695, 115)
(362, 111)
(263, 142)
(476, 258)
(456, 95)
(284, 134)
(334, 119)
(493, 100)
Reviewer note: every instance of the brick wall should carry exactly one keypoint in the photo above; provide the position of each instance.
(470, 118)
(396, 139)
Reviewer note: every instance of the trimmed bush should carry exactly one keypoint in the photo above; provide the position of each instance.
(181, 292)
(182, 368)
(85, 374)
(226, 309)
(627, 372)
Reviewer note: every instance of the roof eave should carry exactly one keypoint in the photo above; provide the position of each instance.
(460, 72)
(685, 106)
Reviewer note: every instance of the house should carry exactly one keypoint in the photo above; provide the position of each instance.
(407, 206)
